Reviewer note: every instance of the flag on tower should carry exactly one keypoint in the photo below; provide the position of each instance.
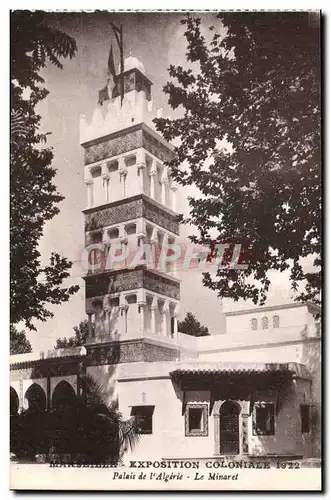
(111, 65)
(103, 95)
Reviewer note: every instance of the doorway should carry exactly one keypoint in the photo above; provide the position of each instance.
(229, 428)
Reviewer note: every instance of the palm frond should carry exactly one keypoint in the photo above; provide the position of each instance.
(128, 433)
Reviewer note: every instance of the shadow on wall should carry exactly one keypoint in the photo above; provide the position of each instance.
(311, 357)
(285, 439)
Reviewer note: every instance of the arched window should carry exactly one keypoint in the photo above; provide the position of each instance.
(113, 233)
(275, 321)
(36, 398)
(131, 299)
(63, 395)
(113, 166)
(254, 324)
(130, 229)
(96, 237)
(265, 323)
(96, 171)
(14, 403)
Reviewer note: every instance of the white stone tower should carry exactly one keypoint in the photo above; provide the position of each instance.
(131, 201)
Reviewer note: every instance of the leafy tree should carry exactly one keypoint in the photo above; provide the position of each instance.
(19, 344)
(80, 337)
(33, 195)
(249, 134)
(191, 326)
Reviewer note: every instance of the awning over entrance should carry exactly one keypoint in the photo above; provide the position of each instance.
(214, 370)
(238, 381)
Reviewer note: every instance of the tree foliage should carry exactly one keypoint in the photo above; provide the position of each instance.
(252, 114)
(33, 194)
(191, 326)
(80, 337)
(19, 344)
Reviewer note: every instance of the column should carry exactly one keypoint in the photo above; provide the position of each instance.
(153, 243)
(123, 240)
(164, 184)
(48, 393)
(105, 237)
(153, 176)
(21, 397)
(176, 316)
(105, 180)
(141, 308)
(106, 243)
(107, 311)
(141, 164)
(89, 186)
(141, 231)
(162, 264)
(90, 326)
(123, 308)
(244, 434)
(154, 307)
(174, 197)
(123, 173)
(165, 314)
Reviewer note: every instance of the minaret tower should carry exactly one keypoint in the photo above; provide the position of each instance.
(131, 212)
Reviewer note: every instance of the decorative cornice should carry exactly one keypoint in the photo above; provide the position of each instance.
(127, 209)
(133, 351)
(128, 139)
(130, 279)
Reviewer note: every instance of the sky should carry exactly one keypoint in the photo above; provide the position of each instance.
(157, 40)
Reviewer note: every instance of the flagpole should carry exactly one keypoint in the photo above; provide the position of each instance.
(118, 32)
(122, 63)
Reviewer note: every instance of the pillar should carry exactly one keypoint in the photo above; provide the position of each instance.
(123, 173)
(154, 307)
(164, 186)
(165, 314)
(153, 176)
(21, 397)
(174, 198)
(90, 326)
(244, 433)
(141, 231)
(141, 164)
(162, 263)
(123, 309)
(105, 180)
(123, 240)
(48, 393)
(89, 186)
(107, 311)
(176, 316)
(141, 308)
(153, 242)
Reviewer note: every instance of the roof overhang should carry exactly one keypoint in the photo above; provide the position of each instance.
(208, 371)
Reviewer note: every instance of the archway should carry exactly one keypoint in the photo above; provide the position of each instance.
(14, 401)
(229, 428)
(63, 395)
(36, 398)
